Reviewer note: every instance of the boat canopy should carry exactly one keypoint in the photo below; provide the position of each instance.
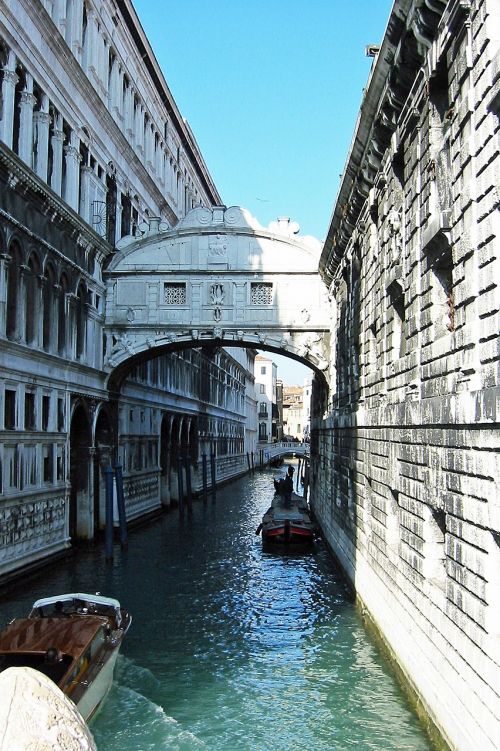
(83, 599)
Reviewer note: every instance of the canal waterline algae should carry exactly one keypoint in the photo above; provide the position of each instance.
(233, 648)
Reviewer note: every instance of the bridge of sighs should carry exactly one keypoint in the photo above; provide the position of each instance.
(217, 279)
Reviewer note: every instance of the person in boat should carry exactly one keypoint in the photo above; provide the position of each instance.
(288, 486)
(53, 656)
(59, 610)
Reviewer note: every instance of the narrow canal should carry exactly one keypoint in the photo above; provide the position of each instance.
(232, 648)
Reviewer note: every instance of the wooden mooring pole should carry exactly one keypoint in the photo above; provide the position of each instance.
(204, 477)
(108, 478)
(180, 485)
(120, 502)
(187, 464)
(213, 477)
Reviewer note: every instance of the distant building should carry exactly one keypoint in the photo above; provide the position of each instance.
(293, 414)
(265, 390)
(279, 410)
(306, 407)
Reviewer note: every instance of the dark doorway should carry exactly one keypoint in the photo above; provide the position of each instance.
(80, 442)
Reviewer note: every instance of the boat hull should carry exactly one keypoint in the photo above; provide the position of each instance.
(98, 689)
(287, 523)
(283, 535)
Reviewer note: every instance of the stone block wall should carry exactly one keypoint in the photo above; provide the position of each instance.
(406, 467)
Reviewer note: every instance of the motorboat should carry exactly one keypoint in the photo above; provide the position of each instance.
(74, 639)
(287, 522)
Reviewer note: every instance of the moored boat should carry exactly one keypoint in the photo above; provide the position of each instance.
(74, 639)
(287, 522)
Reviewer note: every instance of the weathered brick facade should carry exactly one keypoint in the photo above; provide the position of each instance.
(406, 464)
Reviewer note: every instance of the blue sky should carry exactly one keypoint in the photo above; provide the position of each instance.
(271, 90)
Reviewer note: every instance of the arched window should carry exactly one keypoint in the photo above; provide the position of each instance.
(31, 300)
(262, 431)
(48, 309)
(13, 292)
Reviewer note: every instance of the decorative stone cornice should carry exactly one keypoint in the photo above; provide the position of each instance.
(411, 30)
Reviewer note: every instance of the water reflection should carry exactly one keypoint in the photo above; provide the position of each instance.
(233, 648)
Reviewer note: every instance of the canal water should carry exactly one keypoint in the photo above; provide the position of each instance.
(232, 648)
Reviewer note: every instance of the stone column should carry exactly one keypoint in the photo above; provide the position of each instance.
(129, 113)
(180, 192)
(72, 157)
(26, 107)
(22, 302)
(9, 83)
(119, 211)
(77, 28)
(39, 310)
(160, 163)
(92, 48)
(56, 143)
(68, 302)
(104, 65)
(4, 262)
(139, 127)
(149, 147)
(85, 208)
(59, 16)
(41, 122)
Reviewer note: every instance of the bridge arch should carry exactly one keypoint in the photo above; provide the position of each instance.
(218, 279)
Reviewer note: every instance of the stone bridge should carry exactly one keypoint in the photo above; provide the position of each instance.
(284, 448)
(217, 279)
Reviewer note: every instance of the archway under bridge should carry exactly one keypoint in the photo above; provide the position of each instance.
(218, 279)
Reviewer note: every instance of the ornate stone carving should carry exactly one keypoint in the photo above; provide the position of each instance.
(394, 235)
(123, 344)
(217, 293)
(312, 347)
(217, 247)
(285, 341)
(36, 715)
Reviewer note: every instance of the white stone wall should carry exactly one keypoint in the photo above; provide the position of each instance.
(93, 120)
(406, 465)
(92, 148)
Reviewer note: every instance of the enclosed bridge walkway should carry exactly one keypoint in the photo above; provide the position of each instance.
(217, 279)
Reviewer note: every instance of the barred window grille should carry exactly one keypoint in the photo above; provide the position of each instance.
(175, 293)
(261, 293)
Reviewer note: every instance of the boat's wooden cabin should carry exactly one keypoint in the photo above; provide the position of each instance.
(65, 649)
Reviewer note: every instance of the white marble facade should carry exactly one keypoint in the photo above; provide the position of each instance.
(92, 146)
